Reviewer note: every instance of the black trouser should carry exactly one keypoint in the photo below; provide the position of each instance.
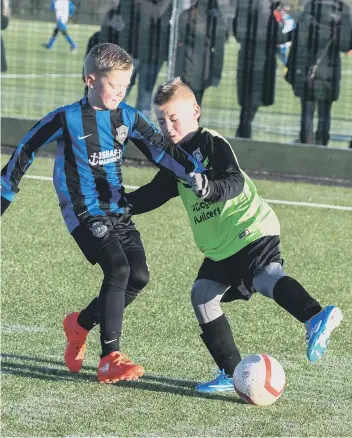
(3, 57)
(244, 129)
(115, 245)
(307, 121)
(199, 96)
(147, 74)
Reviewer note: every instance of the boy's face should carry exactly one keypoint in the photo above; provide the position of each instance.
(105, 92)
(178, 119)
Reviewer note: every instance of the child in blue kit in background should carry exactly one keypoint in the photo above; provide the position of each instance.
(63, 9)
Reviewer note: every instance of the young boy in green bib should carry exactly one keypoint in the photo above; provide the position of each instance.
(235, 229)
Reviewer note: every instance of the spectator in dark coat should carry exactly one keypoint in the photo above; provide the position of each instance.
(200, 46)
(259, 33)
(314, 67)
(141, 27)
(5, 18)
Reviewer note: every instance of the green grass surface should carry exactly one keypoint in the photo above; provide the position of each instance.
(44, 276)
(33, 97)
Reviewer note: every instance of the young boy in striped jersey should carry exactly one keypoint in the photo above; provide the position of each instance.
(235, 229)
(91, 137)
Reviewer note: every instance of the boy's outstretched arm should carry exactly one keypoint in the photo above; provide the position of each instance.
(224, 180)
(161, 189)
(45, 131)
(157, 149)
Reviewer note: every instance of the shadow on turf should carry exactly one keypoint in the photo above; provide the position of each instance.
(10, 365)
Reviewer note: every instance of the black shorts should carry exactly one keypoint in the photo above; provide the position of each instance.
(239, 269)
(96, 233)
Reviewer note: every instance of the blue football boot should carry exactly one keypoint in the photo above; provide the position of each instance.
(319, 328)
(221, 383)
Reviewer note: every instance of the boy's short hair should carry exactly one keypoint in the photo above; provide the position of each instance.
(106, 57)
(171, 89)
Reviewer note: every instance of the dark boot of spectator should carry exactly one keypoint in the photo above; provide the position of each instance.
(244, 129)
(322, 135)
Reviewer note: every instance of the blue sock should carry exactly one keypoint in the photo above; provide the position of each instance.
(51, 42)
(70, 41)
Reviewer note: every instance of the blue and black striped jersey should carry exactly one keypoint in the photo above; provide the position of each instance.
(90, 148)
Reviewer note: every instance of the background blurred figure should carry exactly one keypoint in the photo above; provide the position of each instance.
(314, 67)
(109, 33)
(151, 29)
(36, 7)
(287, 24)
(256, 29)
(200, 49)
(62, 9)
(141, 27)
(5, 18)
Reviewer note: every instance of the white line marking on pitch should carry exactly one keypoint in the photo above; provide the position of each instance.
(309, 204)
(21, 328)
(271, 201)
(39, 75)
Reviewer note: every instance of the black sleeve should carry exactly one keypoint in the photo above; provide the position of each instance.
(161, 189)
(4, 22)
(226, 181)
(234, 21)
(45, 131)
(346, 30)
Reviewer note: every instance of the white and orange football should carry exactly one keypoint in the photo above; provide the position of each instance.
(259, 379)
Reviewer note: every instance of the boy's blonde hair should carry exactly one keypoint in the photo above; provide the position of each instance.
(106, 57)
(173, 89)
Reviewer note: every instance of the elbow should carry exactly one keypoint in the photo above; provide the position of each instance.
(239, 185)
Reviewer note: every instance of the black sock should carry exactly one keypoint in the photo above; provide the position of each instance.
(292, 297)
(217, 336)
(111, 309)
(130, 295)
(89, 317)
(113, 345)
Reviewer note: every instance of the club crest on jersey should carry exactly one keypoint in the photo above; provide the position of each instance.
(121, 133)
(98, 229)
(197, 155)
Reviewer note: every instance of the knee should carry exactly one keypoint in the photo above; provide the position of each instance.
(205, 298)
(139, 278)
(265, 280)
(197, 294)
(115, 268)
(137, 281)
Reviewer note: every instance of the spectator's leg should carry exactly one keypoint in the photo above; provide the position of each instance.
(3, 57)
(148, 74)
(136, 65)
(244, 129)
(322, 135)
(199, 96)
(307, 118)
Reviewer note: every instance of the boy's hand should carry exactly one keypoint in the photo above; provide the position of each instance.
(4, 204)
(199, 184)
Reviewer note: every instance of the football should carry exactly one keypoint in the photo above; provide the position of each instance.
(259, 379)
